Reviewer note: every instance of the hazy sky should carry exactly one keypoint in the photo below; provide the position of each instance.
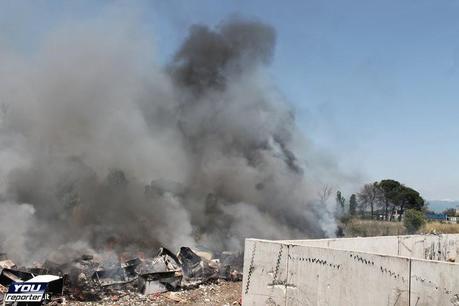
(374, 83)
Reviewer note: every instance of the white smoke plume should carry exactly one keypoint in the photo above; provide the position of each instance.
(107, 147)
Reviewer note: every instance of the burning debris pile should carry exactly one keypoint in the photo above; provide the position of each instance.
(93, 278)
(98, 143)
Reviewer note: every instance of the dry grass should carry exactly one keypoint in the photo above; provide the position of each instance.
(443, 228)
(369, 228)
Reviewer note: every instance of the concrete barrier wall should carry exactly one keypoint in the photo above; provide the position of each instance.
(318, 276)
(434, 247)
(282, 274)
(265, 273)
(381, 244)
(279, 273)
(434, 283)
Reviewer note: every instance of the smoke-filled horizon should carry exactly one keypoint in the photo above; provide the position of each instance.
(99, 145)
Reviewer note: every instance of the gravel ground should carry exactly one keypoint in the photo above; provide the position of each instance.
(218, 294)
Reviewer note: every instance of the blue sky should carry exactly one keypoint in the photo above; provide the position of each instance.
(374, 83)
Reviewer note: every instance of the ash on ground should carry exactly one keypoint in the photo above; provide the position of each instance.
(188, 277)
(221, 293)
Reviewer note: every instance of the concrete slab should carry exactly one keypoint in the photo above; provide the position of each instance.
(352, 271)
(434, 283)
(265, 268)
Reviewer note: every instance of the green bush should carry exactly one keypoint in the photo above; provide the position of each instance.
(413, 220)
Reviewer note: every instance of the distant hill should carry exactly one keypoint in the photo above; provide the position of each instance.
(441, 205)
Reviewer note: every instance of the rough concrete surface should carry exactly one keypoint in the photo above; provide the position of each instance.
(389, 270)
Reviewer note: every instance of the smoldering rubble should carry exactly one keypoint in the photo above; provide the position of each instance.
(100, 277)
(102, 145)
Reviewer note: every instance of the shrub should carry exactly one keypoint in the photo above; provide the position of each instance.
(413, 220)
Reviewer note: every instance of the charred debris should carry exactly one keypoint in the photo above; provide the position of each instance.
(92, 278)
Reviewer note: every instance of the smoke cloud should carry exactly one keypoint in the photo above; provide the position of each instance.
(100, 146)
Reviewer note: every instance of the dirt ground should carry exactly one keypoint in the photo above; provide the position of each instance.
(218, 294)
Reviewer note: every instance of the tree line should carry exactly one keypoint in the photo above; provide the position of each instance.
(387, 198)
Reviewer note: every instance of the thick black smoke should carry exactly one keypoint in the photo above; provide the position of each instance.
(100, 147)
(208, 58)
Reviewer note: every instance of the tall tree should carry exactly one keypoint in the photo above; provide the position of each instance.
(340, 201)
(391, 190)
(408, 198)
(324, 193)
(352, 204)
(369, 196)
(398, 197)
(392, 196)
